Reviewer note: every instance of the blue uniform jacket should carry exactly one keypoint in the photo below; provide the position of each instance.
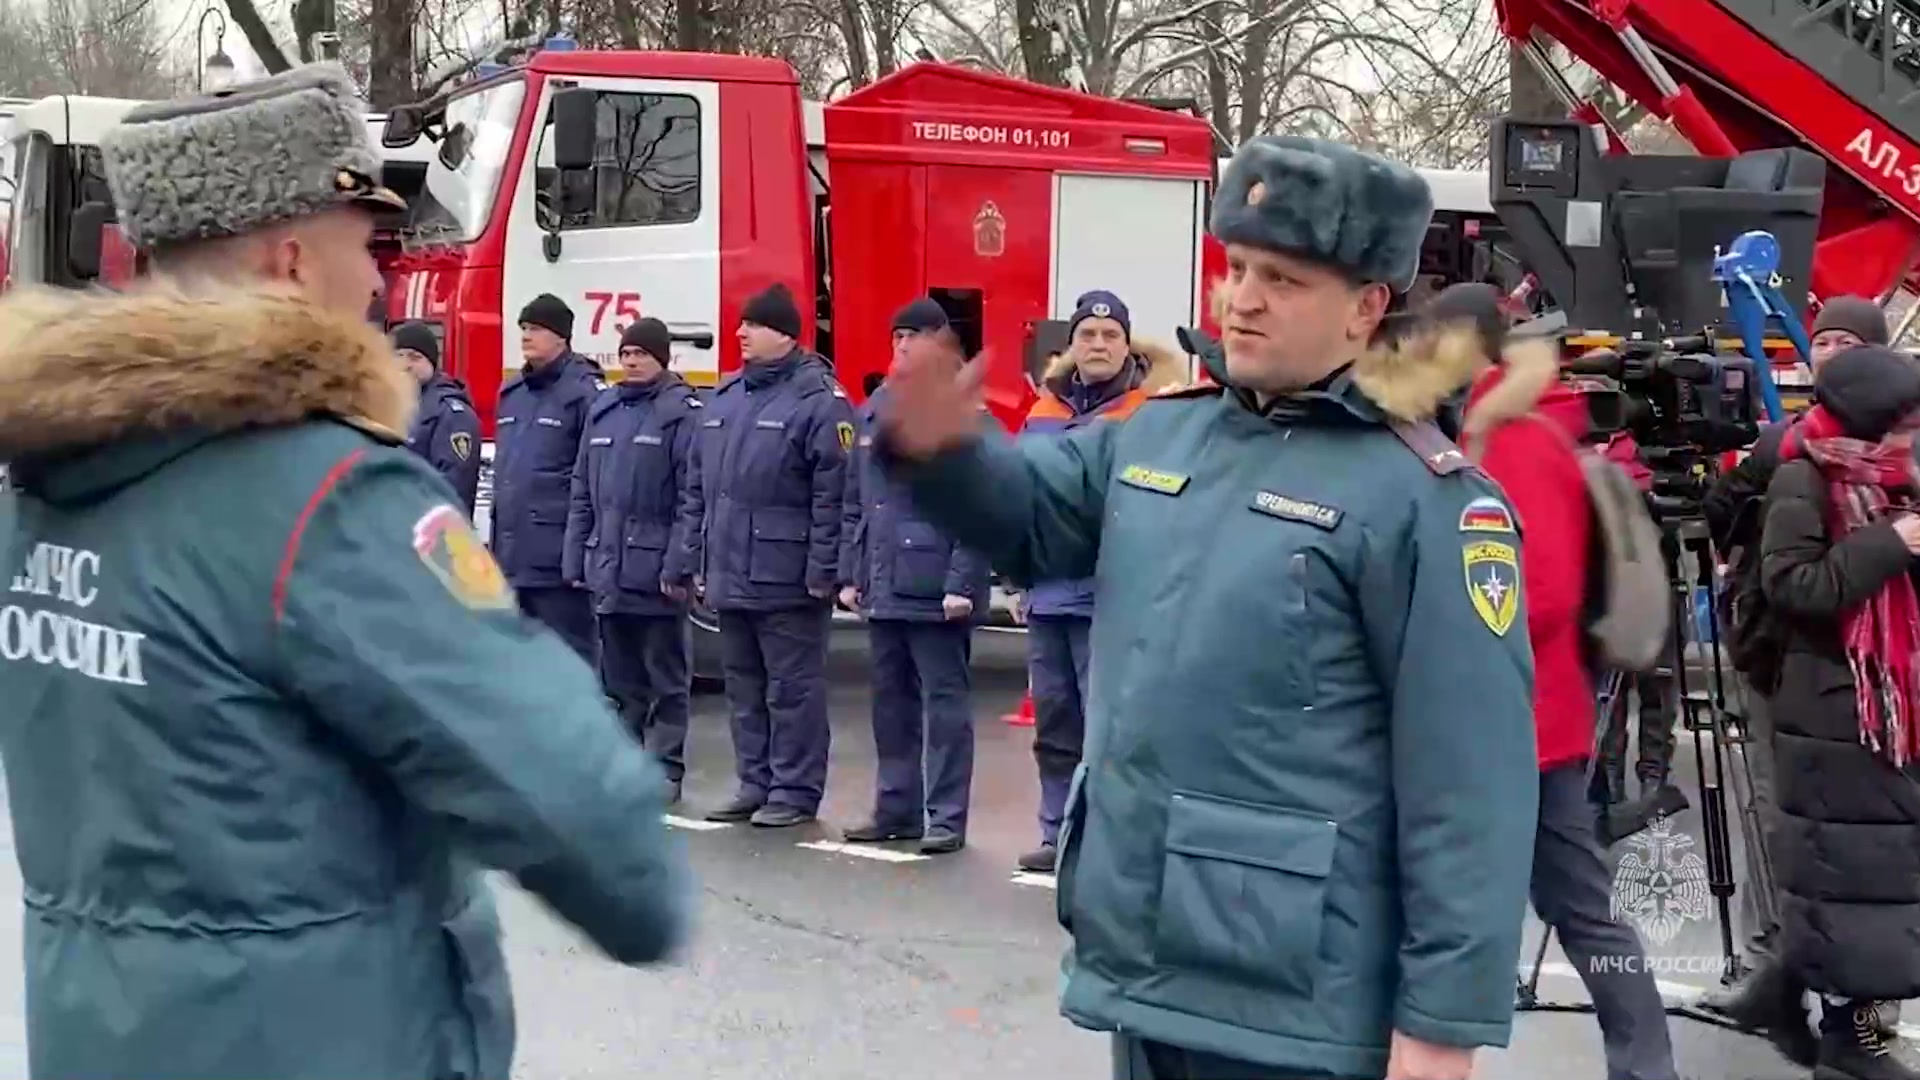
(1306, 814)
(542, 415)
(447, 433)
(761, 514)
(903, 566)
(1066, 404)
(626, 494)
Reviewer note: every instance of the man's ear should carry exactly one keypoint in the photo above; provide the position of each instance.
(1369, 309)
(285, 259)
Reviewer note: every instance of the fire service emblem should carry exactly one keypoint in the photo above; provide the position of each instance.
(989, 231)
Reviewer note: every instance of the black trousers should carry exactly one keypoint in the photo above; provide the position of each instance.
(566, 611)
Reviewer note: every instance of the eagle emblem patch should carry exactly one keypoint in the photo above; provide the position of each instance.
(1493, 582)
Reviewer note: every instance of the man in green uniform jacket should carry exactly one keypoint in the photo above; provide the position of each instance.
(1301, 839)
(268, 703)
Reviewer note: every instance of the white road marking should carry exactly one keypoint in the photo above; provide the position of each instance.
(1684, 993)
(863, 851)
(695, 824)
(1038, 881)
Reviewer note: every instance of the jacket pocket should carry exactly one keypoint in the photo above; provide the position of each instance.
(480, 977)
(601, 564)
(921, 557)
(1066, 851)
(644, 555)
(1242, 891)
(777, 550)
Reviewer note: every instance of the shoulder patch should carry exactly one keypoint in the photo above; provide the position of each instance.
(450, 548)
(1487, 514)
(844, 430)
(1493, 582)
(462, 444)
(1425, 439)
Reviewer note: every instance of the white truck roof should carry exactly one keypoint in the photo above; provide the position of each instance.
(66, 119)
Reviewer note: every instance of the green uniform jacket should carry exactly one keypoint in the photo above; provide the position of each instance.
(1306, 812)
(269, 709)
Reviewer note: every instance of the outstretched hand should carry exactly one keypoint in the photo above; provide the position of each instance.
(932, 397)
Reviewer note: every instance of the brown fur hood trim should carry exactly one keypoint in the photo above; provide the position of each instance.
(85, 369)
(1411, 378)
(1528, 370)
(1166, 366)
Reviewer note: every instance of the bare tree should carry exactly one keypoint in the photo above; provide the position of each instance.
(106, 48)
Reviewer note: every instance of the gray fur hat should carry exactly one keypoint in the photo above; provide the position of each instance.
(1326, 202)
(264, 152)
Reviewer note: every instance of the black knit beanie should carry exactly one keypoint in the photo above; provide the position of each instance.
(650, 336)
(419, 337)
(774, 309)
(550, 312)
(922, 316)
(1857, 315)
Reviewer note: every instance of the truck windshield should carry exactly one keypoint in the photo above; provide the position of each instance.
(464, 175)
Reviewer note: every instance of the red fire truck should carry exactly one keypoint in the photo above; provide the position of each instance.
(677, 186)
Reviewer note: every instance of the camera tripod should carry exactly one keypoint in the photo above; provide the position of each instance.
(1705, 717)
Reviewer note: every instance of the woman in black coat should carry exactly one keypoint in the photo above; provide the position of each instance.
(1838, 568)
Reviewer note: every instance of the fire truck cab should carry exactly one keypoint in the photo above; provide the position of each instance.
(56, 214)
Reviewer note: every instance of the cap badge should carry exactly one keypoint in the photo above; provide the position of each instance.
(1101, 311)
(1256, 194)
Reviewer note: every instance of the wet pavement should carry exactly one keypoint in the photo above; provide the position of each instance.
(815, 962)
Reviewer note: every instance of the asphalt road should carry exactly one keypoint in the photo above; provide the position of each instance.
(814, 962)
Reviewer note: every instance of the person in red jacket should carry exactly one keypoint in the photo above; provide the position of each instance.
(1524, 428)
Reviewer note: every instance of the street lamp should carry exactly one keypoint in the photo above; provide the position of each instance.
(216, 71)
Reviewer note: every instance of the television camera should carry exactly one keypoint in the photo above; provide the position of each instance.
(1644, 252)
(1626, 247)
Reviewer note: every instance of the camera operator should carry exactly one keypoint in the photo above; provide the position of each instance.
(1838, 572)
(1767, 999)
(1524, 426)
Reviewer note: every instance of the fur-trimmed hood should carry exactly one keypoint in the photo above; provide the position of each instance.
(1528, 369)
(83, 371)
(1411, 377)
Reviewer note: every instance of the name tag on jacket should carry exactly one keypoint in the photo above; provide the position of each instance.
(647, 440)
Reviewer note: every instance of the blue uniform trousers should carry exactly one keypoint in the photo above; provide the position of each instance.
(922, 723)
(1057, 652)
(775, 665)
(1572, 893)
(566, 611)
(644, 667)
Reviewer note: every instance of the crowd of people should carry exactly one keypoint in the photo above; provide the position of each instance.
(1308, 640)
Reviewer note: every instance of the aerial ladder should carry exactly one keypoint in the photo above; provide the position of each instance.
(1840, 78)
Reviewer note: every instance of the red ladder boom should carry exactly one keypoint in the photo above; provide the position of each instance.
(1839, 77)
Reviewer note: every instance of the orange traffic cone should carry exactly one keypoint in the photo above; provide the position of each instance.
(1023, 718)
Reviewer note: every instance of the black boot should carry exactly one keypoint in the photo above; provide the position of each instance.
(1768, 1002)
(1852, 1048)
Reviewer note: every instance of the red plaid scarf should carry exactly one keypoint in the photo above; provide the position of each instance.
(1865, 482)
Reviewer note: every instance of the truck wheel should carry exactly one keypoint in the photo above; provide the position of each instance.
(708, 677)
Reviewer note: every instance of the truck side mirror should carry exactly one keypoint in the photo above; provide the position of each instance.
(573, 128)
(86, 239)
(403, 127)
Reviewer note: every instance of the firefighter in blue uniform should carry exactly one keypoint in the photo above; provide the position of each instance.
(626, 501)
(921, 594)
(543, 411)
(445, 431)
(761, 520)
